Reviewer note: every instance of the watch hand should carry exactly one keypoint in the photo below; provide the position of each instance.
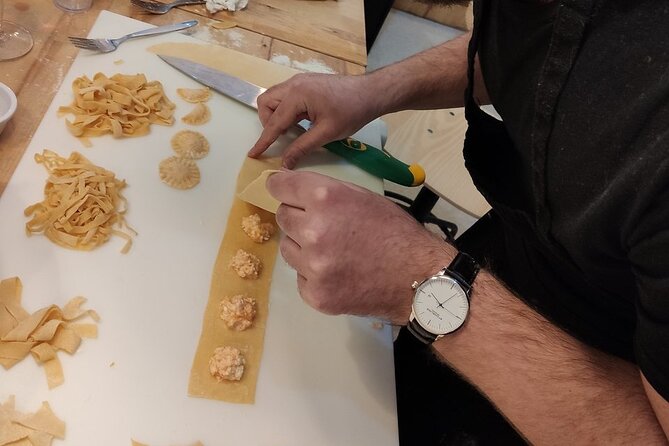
(435, 298)
(455, 315)
(442, 303)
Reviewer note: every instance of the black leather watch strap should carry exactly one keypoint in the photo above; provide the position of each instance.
(464, 267)
(420, 333)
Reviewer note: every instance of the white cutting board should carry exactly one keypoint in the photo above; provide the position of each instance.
(323, 380)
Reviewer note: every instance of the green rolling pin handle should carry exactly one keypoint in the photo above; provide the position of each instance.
(377, 162)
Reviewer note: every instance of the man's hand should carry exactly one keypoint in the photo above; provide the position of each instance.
(337, 106)
(354, 252)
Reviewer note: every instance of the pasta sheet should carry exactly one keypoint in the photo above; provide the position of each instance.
(225, 282)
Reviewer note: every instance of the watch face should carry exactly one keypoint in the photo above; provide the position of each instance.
(440, 305)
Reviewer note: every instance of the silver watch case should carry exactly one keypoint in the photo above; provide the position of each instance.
(444, 273)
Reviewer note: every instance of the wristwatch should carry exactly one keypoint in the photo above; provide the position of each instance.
(441, 302)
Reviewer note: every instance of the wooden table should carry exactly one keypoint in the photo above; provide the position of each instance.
(326, 36)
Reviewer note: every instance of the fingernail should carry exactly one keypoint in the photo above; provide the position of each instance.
(288, 163)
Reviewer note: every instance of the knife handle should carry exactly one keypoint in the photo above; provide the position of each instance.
(377, 162)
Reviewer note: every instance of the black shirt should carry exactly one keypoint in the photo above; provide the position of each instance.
(583, 192)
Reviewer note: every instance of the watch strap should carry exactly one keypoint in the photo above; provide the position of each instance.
(420, 333)
(464, 267)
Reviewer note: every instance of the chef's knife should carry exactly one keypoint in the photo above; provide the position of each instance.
(375, 161)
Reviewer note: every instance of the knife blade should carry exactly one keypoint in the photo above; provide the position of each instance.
(375, 161)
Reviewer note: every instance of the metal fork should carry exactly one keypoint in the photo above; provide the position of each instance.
(162, 8)
(109, 45)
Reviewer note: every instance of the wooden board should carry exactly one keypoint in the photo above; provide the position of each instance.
(434, 139)
(323, 380)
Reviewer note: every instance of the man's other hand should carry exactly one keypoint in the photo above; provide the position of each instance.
(337, 106)
(355, 252)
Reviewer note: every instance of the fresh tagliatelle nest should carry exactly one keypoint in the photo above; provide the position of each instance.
(83, 205)
(122, 105)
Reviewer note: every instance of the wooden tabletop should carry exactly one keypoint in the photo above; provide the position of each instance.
(326, 36)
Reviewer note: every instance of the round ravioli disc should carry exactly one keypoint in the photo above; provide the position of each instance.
(179, 173)
(190, 144)
(199, 115)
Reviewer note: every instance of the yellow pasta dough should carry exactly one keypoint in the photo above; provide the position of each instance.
(256, 193)
(42, 333)
(194, 95)
(180, 173)
(190, 144)
(36, 429)
(198, 116)
(120, 105)
(83, 205)
(226, 282)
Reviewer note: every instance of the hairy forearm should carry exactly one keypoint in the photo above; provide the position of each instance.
(553, 388)
(433, 79)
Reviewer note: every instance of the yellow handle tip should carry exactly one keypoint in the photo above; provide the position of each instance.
(418, 174)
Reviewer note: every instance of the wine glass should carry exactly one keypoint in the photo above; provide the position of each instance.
(15, 40)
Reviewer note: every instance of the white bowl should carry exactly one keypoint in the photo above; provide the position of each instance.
(7, 105)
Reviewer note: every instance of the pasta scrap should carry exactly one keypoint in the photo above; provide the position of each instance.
(198, 116)
(36, 429)
(194, 95)
(179, 173)
(121, 105)
(83, 205)
(190, 144)
(42, 333)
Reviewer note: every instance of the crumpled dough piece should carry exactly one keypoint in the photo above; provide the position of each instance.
(213, 6)
(198, 116)
(194, 95)
(179, 173)
(36, 429)
(42, 333)
(190, 144)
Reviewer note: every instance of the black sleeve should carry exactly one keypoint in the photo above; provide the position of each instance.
(649, 255)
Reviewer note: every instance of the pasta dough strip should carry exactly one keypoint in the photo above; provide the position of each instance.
(225, 282)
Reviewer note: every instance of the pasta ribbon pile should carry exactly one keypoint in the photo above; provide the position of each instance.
(29, 429)
(123, 105)
(43, 333)
(83, 205)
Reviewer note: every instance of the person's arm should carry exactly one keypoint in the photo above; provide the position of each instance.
(553, 388)
(358, 253)
(339, 106)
